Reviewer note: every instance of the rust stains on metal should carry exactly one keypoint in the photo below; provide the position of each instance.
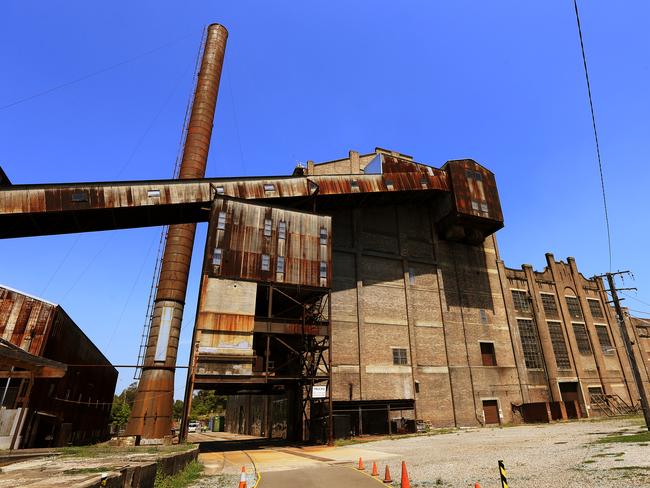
(151, 416)
(262, 243)
(25, 320)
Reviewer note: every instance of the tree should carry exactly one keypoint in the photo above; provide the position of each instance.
(177, 409)
(206, 403)
(120, 412)
(128, 394)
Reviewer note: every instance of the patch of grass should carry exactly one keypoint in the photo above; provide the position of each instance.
(608, 454)
(640, 437)
(631, 468)
(191, 473)
(102, 450)
(352, 440)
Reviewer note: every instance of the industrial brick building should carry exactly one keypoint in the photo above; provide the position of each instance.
(427, 322)
(50, 397)
(369, 287)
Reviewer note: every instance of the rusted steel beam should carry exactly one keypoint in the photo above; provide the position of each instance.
(31, 210)
(151, 417)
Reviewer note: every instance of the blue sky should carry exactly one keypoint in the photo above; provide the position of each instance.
(500, 82)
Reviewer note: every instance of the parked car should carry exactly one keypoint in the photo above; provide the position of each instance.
(193, 426)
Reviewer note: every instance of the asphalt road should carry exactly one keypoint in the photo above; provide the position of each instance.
(318, 477)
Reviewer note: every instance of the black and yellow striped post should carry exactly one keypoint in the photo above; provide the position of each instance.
(502, 472)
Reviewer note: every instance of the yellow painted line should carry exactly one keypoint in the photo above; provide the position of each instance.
(369, 476)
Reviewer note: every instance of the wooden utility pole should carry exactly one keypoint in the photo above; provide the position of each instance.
(628, 345)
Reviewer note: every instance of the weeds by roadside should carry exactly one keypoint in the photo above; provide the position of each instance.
(182, 479)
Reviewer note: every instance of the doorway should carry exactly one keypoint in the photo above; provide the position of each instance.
(491, 412)
(571, 398)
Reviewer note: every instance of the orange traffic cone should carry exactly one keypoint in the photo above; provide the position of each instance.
(405, 477)
(476, 485)
(387, 478)
(374, 469)
(242, 478)
(361, 467)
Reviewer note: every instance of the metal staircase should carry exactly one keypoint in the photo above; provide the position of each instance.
(612, 405)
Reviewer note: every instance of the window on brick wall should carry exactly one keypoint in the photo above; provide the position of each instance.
(282, 230)
(643, 331)
(573, 304)
(520, 299)
(217, 255)
(582, 339)
(595, 308)
(399, 356)
(559, 345)
(483, 315)
(530, 344)
(549, 304)
(488, 355)
(268, 224)
(595, 393)
(604, 339)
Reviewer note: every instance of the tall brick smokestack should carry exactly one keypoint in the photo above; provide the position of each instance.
(151, 416)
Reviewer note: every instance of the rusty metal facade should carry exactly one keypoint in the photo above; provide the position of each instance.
(25, 321)
(296, 244)
(79, 396)
(151, 416)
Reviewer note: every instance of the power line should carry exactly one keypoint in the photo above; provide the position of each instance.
(92, 74)
(635, 298)
(593, 122)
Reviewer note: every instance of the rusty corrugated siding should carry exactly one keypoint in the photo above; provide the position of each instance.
(24, 320)
(467, 190)
(243, 243)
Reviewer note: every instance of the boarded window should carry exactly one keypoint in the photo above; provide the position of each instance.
(595, 308)
(530, 344)
(217, 256)
(483, 314)
(573, 305)
(520, 299)
(488, 356)
(266, 262)
(604, 339)
(549, 304)
(411, 276)
(267, 227)
(323, 269)
(643, 331)
(323, 236)
(559, 345)
(282, 230)
(221, 221)
(80, 196)
(399, 356)
(581, 338)
(280, 264)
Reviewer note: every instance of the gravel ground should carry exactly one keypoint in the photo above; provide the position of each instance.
(557, 455)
